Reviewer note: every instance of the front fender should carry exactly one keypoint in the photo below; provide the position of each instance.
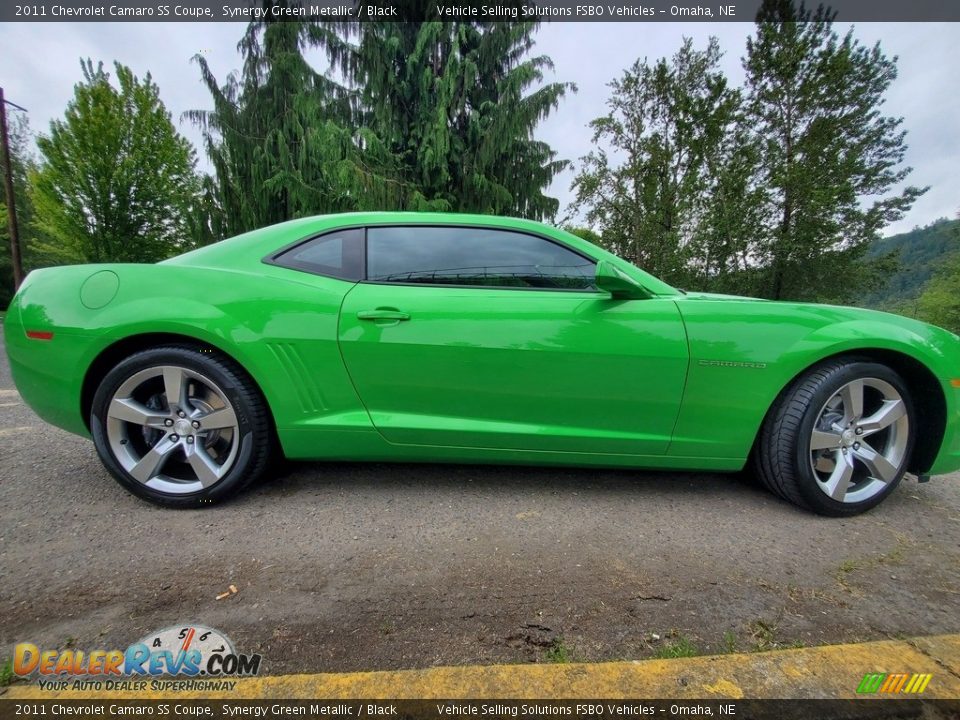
(743, 354)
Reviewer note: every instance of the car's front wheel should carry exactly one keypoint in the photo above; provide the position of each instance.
(839, 439)
(180, 426)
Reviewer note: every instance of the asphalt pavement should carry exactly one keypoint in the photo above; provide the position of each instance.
(352, 566)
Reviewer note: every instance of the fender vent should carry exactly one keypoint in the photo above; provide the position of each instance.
(308, 393)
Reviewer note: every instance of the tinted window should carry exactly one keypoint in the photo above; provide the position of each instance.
(337, 254)
(474, 256)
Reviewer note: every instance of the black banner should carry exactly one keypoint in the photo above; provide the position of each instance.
(410, 10)
(872, 709)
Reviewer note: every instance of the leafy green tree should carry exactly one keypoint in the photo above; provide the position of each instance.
(730, 224)
(116, 181)
(939, 302)
(669, 122)
(585, 233)
(921, 252)
(814, 100)
(457, 104)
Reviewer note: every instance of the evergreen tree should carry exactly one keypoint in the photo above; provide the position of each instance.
(457, 104)
(279, 137)
(116, 181)
(814, 100)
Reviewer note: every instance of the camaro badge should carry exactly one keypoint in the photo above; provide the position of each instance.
(733, 363)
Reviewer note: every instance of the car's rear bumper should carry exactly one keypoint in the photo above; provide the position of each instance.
(45, 371)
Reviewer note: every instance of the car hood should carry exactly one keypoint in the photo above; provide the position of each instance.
(796, 311)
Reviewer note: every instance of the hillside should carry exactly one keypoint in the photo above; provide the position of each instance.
(922, 251)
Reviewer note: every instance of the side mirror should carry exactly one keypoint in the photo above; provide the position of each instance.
(616, 282)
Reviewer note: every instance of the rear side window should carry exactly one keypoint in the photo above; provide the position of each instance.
(474, 257)
(337, 254)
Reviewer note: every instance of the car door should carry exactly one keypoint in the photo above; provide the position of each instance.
(488, 338)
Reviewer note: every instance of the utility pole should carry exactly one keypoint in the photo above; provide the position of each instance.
(15, 258)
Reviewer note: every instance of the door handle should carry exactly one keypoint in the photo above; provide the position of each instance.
(383, 314)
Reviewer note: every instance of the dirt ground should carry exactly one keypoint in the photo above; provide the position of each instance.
(373, 566)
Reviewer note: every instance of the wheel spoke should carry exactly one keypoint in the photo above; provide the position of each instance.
(852, 395)
(208, 472)
(879, 467)
(131, 411)
(152, 462)
(839, 482)
(823, 440)
(889, 413)
(175, 386)
(218, 419)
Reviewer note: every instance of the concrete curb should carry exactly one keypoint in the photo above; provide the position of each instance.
(828, 672)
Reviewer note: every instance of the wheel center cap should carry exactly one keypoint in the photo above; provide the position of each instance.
(847, 436)
(182, 427)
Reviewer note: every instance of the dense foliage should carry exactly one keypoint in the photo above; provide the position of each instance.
(669, 122)
(116, 181)
(940, 301)
(920, 253)
(422, 116)
(774, 190)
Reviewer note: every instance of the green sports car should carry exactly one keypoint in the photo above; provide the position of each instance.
(462, 338)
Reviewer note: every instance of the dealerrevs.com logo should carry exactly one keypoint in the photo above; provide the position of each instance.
(203, 655)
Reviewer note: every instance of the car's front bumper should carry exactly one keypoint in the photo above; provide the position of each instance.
(948, 459)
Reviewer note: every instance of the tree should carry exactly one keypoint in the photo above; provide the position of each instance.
(23, 163)
(283, 139)
(585, 233)
(814, 100)
(116, 180)
(940, 301)
(670, 122)
(423, 116)
(457, 104)
(722, 249)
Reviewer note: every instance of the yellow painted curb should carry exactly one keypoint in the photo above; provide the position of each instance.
(832, 671)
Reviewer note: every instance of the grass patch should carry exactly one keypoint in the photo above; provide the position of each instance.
(681, 647)
(558, 653)
(6, 672)
(848, 566)
(764, 635)
(729, 642)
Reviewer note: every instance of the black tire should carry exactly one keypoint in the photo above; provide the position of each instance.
(254, 433)
(782, 454)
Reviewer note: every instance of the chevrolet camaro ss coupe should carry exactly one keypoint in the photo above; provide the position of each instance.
(460, 338)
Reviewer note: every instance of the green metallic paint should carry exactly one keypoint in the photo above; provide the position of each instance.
(672, 380)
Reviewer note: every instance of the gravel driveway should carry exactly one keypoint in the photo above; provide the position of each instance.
(347, 566)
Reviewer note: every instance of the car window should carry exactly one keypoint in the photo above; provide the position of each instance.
(474, 256)
(338, 254)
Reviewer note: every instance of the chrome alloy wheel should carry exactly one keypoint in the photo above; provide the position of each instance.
(172, 429)
(859, 440)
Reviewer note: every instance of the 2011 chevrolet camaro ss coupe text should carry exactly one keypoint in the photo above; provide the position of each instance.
(431, 337)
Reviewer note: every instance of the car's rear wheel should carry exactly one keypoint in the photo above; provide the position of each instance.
(839, 439)
(180, 426)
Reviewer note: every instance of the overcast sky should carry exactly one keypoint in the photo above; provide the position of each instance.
(41, 64)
